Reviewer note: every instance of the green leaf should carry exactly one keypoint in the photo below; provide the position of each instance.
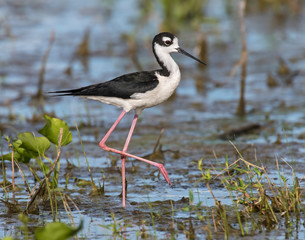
(200, 164)
(186, 209)
(258, 172)
(83, 183)
(283, 178)
(206, 176)
(191, 196)
(242, 183)
(27, 146)
(52, 128)
(17, 157)
(7, 156)
(35, 144)
(20, 154)
(57, 231)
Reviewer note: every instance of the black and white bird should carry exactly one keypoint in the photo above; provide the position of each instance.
(137, 91)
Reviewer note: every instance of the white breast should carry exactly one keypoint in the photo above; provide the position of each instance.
(165, 88)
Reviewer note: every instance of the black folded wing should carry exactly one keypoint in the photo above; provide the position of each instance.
(122, 87)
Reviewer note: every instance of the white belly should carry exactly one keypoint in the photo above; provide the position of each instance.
(140, 101)
(165, 88)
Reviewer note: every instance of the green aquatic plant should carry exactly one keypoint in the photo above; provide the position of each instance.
(52, 128)
(257, 201)
(27, 146)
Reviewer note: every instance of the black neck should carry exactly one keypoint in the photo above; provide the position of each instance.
(164, 71)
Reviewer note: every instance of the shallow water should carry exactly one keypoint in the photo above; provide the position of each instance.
(202, 109)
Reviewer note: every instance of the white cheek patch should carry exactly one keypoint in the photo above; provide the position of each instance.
(175, 42)
(164, 39)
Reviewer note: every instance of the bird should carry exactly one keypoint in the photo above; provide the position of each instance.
(137, 91)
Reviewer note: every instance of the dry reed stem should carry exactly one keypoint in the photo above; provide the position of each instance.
(65, 198)
(22, 175)
(242, 61)
(83, 47)
(70, 199)
(43, 66)
(215, 156)
(227, 168)
(158, 140)
(245, 161)
(214, 221)
(244, 53)
(215, 199)
(68, 209)
(13, 170)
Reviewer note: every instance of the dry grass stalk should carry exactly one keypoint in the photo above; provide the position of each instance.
(83, 48)
(68, 209)
(158, 140)
(22, 175)
(43, 66)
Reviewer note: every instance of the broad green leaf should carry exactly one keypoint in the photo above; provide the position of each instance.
(56, 231)
(20, 154)
(19, 158)
(33, 143)
(52, 128)
(8, 157)
(27, 146)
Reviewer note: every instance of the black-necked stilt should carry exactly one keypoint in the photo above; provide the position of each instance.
(137, 91)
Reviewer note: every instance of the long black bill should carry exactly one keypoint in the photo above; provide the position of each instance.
(180, 50)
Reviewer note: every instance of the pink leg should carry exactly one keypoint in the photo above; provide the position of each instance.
(103, 145)
(123, 157)
(111, 130)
